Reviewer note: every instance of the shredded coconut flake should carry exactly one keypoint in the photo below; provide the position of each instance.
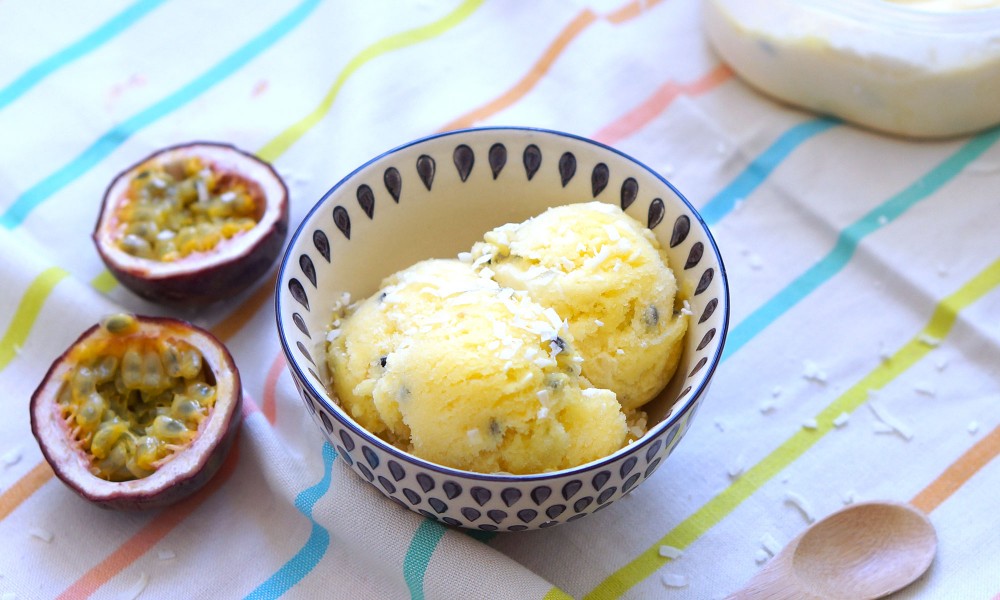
(770, 544)
(761, 556)
(924, 389)
(41, 534)
(590, 392)
(810, 424)
(973, 427)
(766, 407)
(941, 364)
(599, 322)
(849, 497)
(841, 419)
(11, 457)
(465, 257)
(812, 372)
(776, 391)
(544, 362)
(801, 504)
(889, 420)
(138, 587)
(674, 580)
(737, 468)
(670, 552)
(543, 412)
(929, 340)
(553, 318)
(166, 554)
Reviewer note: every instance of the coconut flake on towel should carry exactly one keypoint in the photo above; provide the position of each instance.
(674, 580)
(888, 419)
(41, 534)
(770, 545)
(929, 340)
(11, 457)
(801, 504)
(811, 371)
(738, 467)
(138, 587)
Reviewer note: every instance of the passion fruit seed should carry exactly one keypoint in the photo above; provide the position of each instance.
(188, 205)
(120, 324)
(133, 401)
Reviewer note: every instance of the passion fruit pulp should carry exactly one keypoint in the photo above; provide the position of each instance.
(139, 412)
(193, 224)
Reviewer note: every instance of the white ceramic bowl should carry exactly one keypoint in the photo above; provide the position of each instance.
(433, 198)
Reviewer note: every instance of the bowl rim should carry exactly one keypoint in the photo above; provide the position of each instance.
(650, 435)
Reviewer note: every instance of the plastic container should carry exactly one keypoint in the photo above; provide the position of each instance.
(891, 67)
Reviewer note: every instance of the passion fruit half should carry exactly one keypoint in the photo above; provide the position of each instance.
(193, 224)
(139, 412)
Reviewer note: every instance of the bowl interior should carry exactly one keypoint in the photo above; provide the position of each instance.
(437, 196)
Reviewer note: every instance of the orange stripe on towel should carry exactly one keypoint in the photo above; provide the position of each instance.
(959, 472)
(641, 115)
(539, 69)
(270, 404)
(24, 487)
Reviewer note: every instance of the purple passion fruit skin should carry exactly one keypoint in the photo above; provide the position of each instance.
(193, 224)
(139, 412)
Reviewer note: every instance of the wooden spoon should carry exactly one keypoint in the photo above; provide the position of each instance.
(864, 551)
